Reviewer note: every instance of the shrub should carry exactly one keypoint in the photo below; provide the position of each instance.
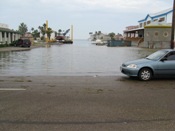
(2, 45)
(13, 43)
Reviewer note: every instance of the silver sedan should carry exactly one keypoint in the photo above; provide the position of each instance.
(160, 63)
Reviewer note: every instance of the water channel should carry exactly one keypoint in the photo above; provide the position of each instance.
(79, 59)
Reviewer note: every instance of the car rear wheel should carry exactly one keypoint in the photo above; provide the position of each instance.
(145, 74)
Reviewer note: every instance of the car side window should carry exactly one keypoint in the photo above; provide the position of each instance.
(171, 56)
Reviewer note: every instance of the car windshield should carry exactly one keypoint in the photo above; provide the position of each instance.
(157, 55)
(26, 40)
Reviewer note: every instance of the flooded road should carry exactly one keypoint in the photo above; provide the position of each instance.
(79, 59)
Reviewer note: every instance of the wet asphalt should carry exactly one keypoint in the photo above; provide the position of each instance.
(90, 103)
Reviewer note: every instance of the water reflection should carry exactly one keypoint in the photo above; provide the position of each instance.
(80, 58)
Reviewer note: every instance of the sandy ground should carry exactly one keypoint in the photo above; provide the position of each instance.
(76, 103)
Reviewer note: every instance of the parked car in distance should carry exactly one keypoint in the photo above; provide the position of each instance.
(23, 43)
(160, 63)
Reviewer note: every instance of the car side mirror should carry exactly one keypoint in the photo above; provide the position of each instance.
(163, 59)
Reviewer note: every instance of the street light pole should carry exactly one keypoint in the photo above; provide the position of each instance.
(172, 29)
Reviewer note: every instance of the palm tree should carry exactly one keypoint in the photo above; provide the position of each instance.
(44, 27)
(99, 32)
(49, 32)
(42, 30)
(59, 32)
(112, 34)
(32, 29)
(22, 28)
(35, 33)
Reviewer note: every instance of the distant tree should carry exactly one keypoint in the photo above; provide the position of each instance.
(112, 35)
(49, 31)
(32, 29)
(22, 28)
(44, 25)
(35, 33)
(42, 30)
(59, 32)
(97, 35)
(99, 32)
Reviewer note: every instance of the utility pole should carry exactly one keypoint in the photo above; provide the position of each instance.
(172, 29)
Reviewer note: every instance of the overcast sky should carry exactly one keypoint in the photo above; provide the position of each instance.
(85, 15)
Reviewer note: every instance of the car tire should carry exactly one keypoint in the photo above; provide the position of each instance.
(145, 74)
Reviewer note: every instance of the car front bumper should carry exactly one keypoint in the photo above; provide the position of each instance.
(129, 71)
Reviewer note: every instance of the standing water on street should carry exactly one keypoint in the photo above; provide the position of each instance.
(78, 59)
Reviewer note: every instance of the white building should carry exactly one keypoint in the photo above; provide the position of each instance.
(151, 30)
(164, 16)
(7, 35)
(101, 36)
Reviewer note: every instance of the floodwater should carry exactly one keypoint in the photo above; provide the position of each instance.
(79, 59)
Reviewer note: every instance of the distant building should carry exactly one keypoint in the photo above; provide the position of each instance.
(153, 31)
(164, 16)
(118, 37)
(29, 36)
(157, 36)
(7, 35)
(101, 36)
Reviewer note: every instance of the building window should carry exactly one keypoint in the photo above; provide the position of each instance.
(156, 33)
(144, 23)
(148, 22)
(162, 19)
(165, 34)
